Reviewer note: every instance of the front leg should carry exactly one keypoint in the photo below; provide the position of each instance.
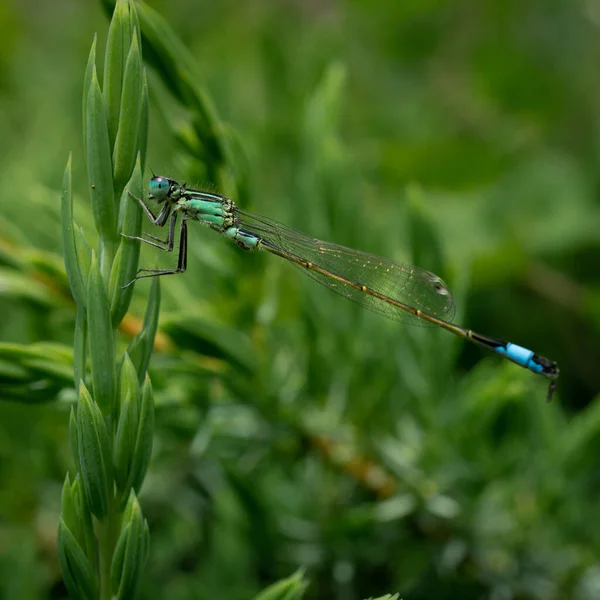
(161, 219)
(169, 242)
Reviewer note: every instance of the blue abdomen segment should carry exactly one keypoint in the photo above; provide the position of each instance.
(520, 355)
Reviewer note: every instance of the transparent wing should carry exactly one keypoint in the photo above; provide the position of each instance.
(405, 283)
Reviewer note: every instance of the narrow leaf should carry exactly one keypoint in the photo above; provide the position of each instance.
(68, 239)
(84, 254)
(66, 503)
(101, 342)
(146, 544)
(144, 122)
(99, 163)
(134, 22)
(145, 433)
(126, 143)
(140, 348)
(116, 566)
(85, 528)
(128, 383)
(117, 45)
(127, 259)
(125, 437)
(124, 445)
(292, 588)
(79, 348)
(133, 557)
(74, 436)
(77, 571)
(87, 82)
(93, 456)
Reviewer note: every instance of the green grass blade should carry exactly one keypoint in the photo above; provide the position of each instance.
(68, 239)
(144, 439)
(117, 47)
(144, 122)
(94, 455)
(126, 262)
(101, 342)
(130, 123)
(99, 163)
(78, 573)
(79, 348)
(87, 82)
(140, 348)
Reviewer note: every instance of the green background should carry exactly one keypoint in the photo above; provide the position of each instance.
(293, 429)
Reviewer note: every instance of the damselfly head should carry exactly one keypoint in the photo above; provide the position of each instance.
(158, 188)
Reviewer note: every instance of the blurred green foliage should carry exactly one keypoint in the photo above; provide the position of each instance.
(293, 430)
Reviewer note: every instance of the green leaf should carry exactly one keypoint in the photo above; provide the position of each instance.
(291, 588)
(127, 424)
(66, 503)
(117, 46)
(144, 122)
(77, 517)
(133, 555)
(124, 444)
(141, 346)
(33, 373)
(72, 267)
(128, 383)
(19, 287)
(101, 342)
(85, 528)
(145, 434)
(87, 82)
(116, 566)
(128, 134)
(13, 372)
(74, 436)
(146, 543)
(94, 454)
(127, 258)
(99, 164)
(84, 254)
(79, 348)
(77, 571)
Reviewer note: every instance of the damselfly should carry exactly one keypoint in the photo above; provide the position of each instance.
(395, 290)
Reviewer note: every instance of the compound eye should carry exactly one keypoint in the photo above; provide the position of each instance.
(159, 188)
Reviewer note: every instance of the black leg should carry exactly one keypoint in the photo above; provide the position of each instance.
(163, 215)
(169, 242)
(156, 239)
(181, 261)
(156, 220)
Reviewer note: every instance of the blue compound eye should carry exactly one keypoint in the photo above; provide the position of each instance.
(159, 188)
